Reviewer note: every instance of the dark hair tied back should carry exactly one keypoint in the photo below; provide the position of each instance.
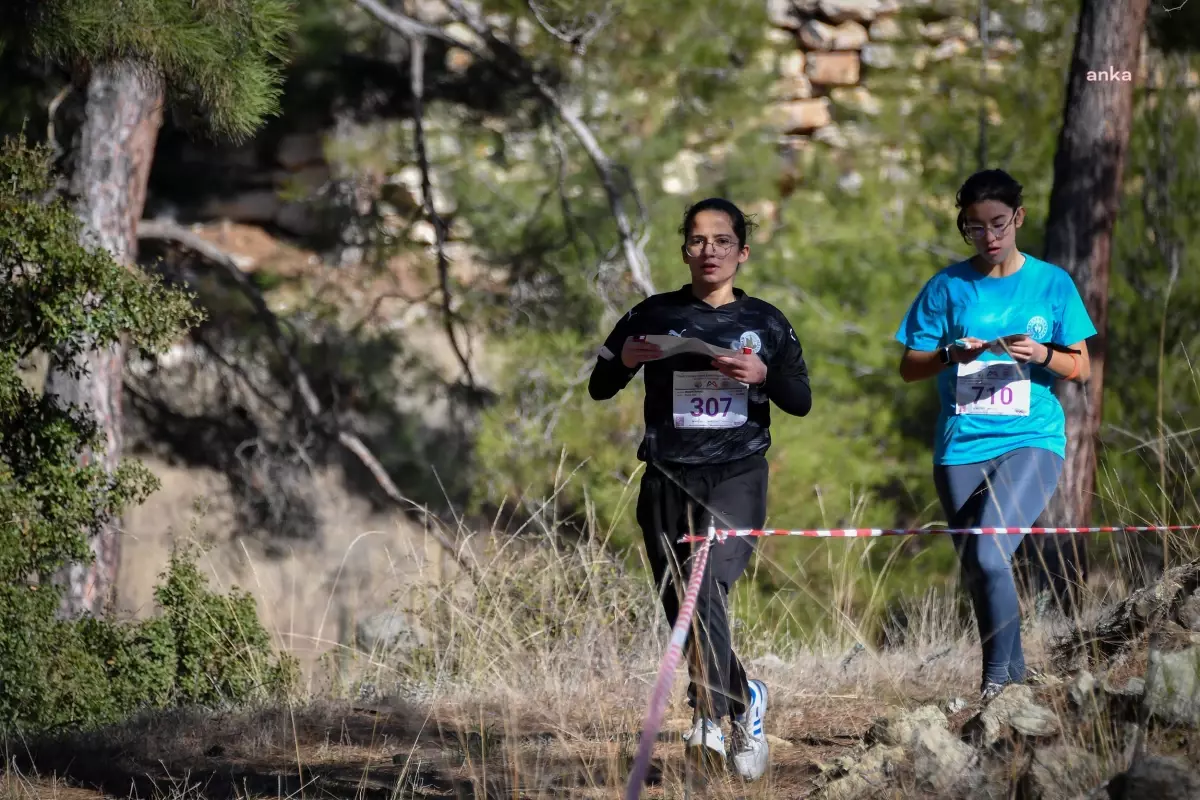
(990, 184)
(743, 226)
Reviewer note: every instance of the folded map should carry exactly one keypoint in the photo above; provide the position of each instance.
(676, 345)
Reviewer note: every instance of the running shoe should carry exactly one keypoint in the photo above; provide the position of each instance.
(706, 741)
(751, 753)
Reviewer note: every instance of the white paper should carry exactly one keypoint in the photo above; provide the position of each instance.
(674, 345)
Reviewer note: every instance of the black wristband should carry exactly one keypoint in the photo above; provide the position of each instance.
(1049, 355)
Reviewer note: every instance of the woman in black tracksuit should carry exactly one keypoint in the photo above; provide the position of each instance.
(707, 431)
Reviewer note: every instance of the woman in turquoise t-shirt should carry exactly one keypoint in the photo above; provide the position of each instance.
(997, 331)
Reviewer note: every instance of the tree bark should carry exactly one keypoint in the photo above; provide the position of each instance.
(1083, 209)
(1084, 202)
(122, 118)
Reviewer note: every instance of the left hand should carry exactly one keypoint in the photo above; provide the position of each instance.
(744, 367)
(1027, 350)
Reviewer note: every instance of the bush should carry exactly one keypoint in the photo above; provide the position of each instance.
(60, 298)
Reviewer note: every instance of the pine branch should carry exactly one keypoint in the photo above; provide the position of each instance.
(512, 62)
(417, 82)
(177, 234)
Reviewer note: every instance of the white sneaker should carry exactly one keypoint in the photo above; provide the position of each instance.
(706, 734)
(751, 753)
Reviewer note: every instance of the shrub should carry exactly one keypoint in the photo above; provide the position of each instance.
(61, 298)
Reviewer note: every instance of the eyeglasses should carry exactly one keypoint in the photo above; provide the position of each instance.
(978, 231)
(721, 246)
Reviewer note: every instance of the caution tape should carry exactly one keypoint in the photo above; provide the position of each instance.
(670, 660)
(666, 675)
(823, 533)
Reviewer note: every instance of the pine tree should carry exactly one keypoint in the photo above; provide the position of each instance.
(215, 59)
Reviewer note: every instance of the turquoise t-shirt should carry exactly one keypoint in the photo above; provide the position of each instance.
(1039, 300)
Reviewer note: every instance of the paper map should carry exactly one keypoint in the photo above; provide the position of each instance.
(675, 345)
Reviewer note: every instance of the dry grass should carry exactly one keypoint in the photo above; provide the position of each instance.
(531, 685)
(500, 704)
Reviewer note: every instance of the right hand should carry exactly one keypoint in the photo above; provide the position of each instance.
(635, 352)
(972, 350)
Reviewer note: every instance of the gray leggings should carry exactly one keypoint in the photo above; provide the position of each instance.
(1008, 491)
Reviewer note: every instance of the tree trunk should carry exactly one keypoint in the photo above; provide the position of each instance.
(1083, 209)
(120, 129)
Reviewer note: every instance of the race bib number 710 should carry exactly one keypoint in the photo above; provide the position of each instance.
(992, 388)
(708, 400)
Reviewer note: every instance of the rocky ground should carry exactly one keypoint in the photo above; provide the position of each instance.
(1114, 713)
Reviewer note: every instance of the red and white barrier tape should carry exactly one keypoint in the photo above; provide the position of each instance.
(666, 675)
(679, 634)
(721, 535)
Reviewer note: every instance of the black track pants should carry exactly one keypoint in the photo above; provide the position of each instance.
(676, 500)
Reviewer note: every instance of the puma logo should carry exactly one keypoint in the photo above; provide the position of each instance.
(673, 333)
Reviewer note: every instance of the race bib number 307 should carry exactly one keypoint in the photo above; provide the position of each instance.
(993, 388)
(708, 400)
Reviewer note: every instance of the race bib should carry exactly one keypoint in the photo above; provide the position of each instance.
(709, 400)
(994, 388)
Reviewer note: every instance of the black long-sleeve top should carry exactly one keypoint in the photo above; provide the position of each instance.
(693, 414)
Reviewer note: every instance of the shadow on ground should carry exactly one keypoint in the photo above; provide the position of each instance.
(353, 753)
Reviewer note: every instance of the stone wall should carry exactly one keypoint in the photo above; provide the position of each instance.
(831, 49)
(829, 57)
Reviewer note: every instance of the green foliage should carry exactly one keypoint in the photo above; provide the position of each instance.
(221, 651)
(61, 298)
(222, 56)
(843, 261)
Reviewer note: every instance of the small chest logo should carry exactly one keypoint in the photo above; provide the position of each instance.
(673, 333)
(1038, 328)
(748, 339)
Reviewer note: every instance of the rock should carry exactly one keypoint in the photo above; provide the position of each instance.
(1157, 778)
(1057, 772)
(849, 36)
(899, 728)
(833, 69)
(885, 29)
(957, 704)
(880, 56)
(782, 14)
(1081, 690)
(817, 35)
(951, 48)
(801, 116)
(680, 174)
(858, 99)
(458, 61)
(460, 32)
(1189, 612)
(835, 136)
(299, 149)
(838, 11)
(1127, 622)
(939, 760)
(954, 28)
(779, 37)
(784, 89)
(422, 232)
(432, 12)
(1173, 687)
(855, 778)
(1012, 713)
(389, 631)
(791, 64)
